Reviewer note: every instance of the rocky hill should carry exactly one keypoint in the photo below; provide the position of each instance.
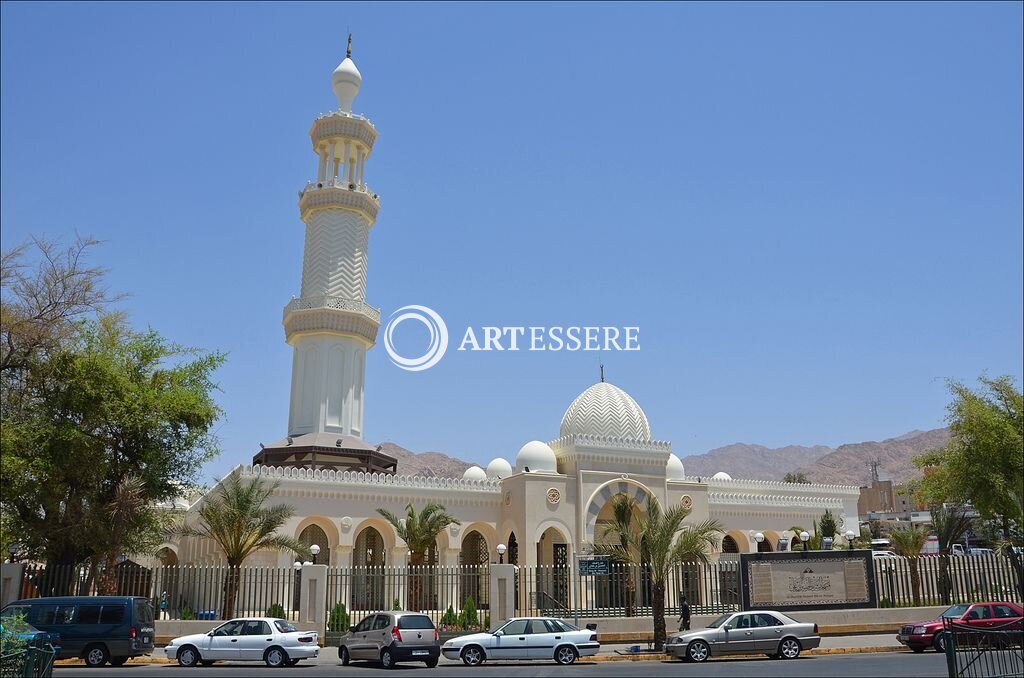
(753, 462)
(850, 464)
(437, 464)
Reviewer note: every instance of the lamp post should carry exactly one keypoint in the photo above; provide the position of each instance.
(803, 538)
(850, 536)
(759, 538)
(501, 554)
(315, 550)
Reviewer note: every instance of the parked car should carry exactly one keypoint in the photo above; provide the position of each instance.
(276, 642)
(99, 629)
(751, 632)
(525, 638)
(1007, 616)
(391, 637)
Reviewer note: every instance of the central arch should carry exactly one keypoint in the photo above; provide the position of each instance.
(604, 494)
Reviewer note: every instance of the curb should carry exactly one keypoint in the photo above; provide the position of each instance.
(652, 657)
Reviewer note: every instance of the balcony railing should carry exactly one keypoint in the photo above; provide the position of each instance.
(337, 303)
(339, 183)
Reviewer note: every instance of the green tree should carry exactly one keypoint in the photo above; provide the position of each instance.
(236, 518)
(660, 541)
(983, 463)
(419, 532)
(951, 524)
(623, 524)
(81, 417)
(908, 543)
(828, 526)
(795, 477)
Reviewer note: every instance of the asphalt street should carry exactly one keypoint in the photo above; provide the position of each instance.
(904, 665)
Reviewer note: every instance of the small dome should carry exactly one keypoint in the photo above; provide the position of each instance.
(536, 456)
(721, 475)
(346, 81)
(674, 468)
(607, 411)
(499, 468)
(474, 473)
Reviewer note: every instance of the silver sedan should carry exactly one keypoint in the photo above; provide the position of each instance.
(750, 632)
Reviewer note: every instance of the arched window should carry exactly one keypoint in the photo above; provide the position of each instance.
(473, 559)
(729, 545)
(314, 534)
(764, 546)
(513, 550)
(368, 573)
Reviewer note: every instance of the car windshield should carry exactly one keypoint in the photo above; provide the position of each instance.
(955, 612)
(718, 622)
(284, 627)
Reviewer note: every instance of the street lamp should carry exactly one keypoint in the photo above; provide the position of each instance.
(314, 549)
(308, 562)
(804, 537)
(297, 565)
(759, 538)
(501, 554)
(850, 536)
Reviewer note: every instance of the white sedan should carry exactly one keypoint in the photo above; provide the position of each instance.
(524, 638)
(274, 641)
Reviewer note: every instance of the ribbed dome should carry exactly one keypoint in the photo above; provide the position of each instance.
(606, 410)
(499, 468)
(536, 456)
(674, 468)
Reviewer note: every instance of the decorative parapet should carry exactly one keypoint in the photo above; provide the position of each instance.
(764, 485)
(370, 480)
(330, 319)
(751, 499)
(341, 124)
(335, 193)
(610, 443)
(336, 303)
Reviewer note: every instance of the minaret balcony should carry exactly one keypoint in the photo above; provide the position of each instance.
(338, 193)
(326, 313)
(341, 124)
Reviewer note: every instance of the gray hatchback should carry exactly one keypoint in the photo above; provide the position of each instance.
(391, 637)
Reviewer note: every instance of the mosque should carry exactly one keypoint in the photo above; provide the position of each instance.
(543, 506)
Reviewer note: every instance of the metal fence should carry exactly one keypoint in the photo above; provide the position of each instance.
(946, 580)
(984, 652)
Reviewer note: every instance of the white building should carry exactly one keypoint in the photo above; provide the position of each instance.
(545, 503)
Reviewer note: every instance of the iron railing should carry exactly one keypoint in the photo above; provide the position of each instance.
(945, 580)
(975, 651)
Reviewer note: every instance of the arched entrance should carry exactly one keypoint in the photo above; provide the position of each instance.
(764, 546)
(513, 550)
(729, 545)
(473, 559)
(552, 572)
(368, 571)
(617, 522)
(314, 534)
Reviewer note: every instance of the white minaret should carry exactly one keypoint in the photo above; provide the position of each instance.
(330, 325)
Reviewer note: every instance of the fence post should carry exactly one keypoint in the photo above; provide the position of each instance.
(501, 586)
(11, 578)
(313, 603)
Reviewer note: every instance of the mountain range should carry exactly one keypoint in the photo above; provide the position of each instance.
(848, 464)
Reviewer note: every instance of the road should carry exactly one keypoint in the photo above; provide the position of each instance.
(901, 664)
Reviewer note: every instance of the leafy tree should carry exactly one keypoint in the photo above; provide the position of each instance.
(624, 509)
(984, 461)
(795, 477)
(828, 526)
(660, 541)
(419, 531)
(908, 543)
(235, 517)
(85, 415)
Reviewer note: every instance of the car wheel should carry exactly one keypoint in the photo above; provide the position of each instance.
(206, 662)
(118, 661)
(698, 651)
(566, 654)
(96, 656)
(473, 655)
(789, 648)
(431, 663)
(188, 656)
(275, 657)
(344, 655)
(387, 660)
(940, 642)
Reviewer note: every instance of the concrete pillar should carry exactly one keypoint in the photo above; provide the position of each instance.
(502, 587)
(10, 579)
(362, 161)
(332, 162)
(348, 163)
(321, 171)
(313, 602)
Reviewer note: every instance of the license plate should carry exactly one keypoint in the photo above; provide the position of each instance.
(145, 639)
(419, 652)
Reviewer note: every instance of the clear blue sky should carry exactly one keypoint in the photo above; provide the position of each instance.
(813, 212)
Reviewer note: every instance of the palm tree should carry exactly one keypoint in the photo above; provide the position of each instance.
(622, 525)
(950, 523)
(908, 543)
(235, 518)
(660, 541)
(122, 513)
(419, 531)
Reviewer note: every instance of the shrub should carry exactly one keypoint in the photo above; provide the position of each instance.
(469, 615)
(885, 602)
(396, 605)
(11, 640)
(276, 610)
(338, 621)
(187, 613)
(487, 622)
(449, 618)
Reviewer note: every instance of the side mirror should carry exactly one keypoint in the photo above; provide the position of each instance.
(499, 633)
(210, 634)
(729, 627)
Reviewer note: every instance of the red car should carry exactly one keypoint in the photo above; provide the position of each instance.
(918, 637)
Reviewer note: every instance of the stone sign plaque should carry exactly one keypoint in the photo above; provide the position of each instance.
(815, 579)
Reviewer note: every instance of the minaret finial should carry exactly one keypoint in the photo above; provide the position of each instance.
(348, 52)
(601, 365)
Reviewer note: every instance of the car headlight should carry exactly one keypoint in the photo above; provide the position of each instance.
(918, 630)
